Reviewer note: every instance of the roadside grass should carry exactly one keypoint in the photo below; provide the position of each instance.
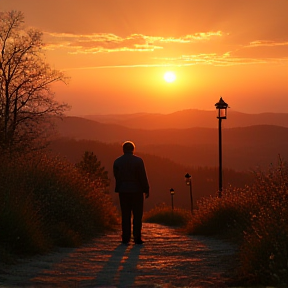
(256, 217)
(45, 202)
(162, 214)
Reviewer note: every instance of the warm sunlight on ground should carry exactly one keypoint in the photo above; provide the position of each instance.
(169, 77)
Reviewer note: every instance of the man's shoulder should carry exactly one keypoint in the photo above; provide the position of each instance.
(138, 158)
(118, 159)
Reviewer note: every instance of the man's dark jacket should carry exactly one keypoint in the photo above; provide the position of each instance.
(130, 175)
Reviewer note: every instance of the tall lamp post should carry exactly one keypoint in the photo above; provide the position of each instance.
(221, 108)
(188, 181)
(172, 194)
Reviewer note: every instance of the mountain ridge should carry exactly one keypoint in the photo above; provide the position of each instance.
(243, 147)
(162, 172)
(190, 118)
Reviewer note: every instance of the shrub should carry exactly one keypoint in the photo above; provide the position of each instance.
(45, 201)
(163, 214)
(228, 215)
(264, 253)
(21, 227)
(257, 216)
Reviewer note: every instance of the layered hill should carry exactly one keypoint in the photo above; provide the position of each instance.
(171, 146)
(163, 173)
(191, 118)
(244, 148)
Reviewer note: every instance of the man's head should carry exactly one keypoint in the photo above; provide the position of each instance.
(128, 146)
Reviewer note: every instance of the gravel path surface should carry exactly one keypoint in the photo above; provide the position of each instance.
(166, 259)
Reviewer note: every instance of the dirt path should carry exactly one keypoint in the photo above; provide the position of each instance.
(166, 259)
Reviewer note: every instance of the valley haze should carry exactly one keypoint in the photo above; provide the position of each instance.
(250, 142)
(190, 118)
(190, 137)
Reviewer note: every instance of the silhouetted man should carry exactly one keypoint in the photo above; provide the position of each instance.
(131, 183)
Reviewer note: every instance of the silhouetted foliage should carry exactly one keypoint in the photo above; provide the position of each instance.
(45, 201)
(26, 100)
(163, 214)
(257, 217)
(91, 167)
(162, 172)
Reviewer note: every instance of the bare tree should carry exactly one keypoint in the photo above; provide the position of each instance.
(27, 103)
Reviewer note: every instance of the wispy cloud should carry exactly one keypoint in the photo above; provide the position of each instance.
(199, 59)
(266, 43)
(106, 42)
(225, 59)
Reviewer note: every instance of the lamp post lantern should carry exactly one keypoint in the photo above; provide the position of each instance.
(221, 108)
(188, 180)
(172, 194)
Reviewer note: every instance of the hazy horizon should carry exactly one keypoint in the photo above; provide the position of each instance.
(172, 112)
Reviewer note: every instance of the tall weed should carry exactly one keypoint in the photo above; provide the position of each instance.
(45, 201)
(228, 215)
(264, 253)
(162, 214)
(21, 225)
(257, 218)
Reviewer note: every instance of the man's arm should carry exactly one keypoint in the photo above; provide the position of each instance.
(144, 179)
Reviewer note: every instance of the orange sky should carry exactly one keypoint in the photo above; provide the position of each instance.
(116, 52)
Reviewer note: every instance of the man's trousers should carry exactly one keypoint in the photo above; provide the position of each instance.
(131, 203)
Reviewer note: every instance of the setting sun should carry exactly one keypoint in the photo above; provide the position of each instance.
(170, 55)
(169, 76)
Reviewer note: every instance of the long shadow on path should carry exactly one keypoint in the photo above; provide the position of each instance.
(120, 270)
(167, 259)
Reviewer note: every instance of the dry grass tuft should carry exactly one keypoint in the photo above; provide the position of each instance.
(46, 202)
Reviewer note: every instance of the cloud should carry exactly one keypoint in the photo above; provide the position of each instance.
(265, 49)
(201, 59)
(254, 53)
(266, 43)
(221, 60)
(107, 42)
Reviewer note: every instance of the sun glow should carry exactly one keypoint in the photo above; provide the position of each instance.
(169, 77)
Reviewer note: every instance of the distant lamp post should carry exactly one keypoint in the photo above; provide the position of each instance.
(172, 194)
(188, 180)
(221, 108)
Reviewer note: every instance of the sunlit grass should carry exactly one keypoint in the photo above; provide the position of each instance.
(162, 214)
(257, 218)
(45, 202)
